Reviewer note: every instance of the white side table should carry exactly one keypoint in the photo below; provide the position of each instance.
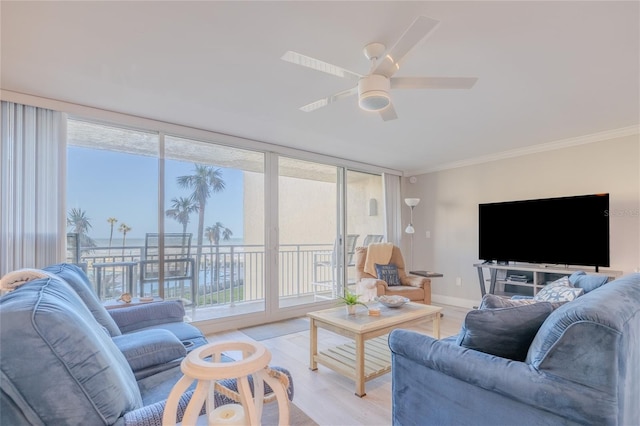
(205, 365)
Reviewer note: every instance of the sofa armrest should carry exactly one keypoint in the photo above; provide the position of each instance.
(515, 380)
(148, 348)
(381, 287)
(416, 281)
(141, 316)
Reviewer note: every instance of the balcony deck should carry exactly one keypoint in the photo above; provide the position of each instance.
(230, 279)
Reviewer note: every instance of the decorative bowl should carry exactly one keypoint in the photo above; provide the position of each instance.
(391, 301)
(126, 298)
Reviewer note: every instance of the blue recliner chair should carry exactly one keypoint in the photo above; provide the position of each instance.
(67, 361)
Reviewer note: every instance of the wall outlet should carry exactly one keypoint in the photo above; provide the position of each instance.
(458, 281)
(427, 234)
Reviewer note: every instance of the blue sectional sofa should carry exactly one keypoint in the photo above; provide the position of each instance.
(582, 368)
(66, 360)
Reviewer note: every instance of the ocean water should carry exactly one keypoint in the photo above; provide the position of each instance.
(139, 242)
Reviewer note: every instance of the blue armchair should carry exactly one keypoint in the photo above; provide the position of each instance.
(67, 361)
(582, 368)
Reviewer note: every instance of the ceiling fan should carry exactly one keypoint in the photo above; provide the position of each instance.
(373, 88)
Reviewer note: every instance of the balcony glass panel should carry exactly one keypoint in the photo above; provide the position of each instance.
(112, 193)
(215, 194)
(307, 221)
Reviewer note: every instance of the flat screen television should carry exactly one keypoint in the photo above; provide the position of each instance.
(563, 231)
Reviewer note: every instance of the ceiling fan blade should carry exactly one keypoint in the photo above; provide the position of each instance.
(417, 31)
(433, 82)
(330, 99)
(389, 113)
(318, 65)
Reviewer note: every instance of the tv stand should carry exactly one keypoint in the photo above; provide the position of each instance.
(530, 277)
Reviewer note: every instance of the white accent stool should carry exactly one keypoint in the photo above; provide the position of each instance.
(255, 358)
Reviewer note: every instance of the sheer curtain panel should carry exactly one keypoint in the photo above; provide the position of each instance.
(392, 208)
(32, 187)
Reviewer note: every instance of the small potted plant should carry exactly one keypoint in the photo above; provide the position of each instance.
(351, 300)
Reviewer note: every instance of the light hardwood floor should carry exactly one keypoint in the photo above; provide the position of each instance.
(326, 396)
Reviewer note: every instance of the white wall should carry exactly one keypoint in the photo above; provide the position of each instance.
(450, 198)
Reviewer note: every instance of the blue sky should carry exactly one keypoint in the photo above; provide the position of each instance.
(111, 184)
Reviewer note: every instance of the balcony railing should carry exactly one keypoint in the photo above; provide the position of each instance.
(227, 274)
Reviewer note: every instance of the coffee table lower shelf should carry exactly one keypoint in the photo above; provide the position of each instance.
(377, 358)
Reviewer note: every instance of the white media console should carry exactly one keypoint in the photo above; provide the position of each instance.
(527, 278)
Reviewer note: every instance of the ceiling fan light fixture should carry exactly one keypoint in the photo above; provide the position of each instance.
(373, 92)
(374, 100)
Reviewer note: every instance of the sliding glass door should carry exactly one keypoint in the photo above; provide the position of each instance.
(112, 193)
(215, 195)
(308, 262)
(228, 231)
(364, 213)
(161, 216)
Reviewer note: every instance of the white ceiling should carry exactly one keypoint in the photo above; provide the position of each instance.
(547, 71)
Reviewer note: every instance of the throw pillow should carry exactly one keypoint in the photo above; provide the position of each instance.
(587, 282)
(559, 291)
(388, 273)
(560, 282)
(504, 332)
(491, 301)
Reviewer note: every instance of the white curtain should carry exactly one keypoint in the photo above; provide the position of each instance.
(32, 187)
(392, 208)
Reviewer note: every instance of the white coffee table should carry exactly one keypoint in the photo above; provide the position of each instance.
(368, 356)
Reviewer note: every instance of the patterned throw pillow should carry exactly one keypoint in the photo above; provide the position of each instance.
(491, 301)
(559, 291)
(388, 273)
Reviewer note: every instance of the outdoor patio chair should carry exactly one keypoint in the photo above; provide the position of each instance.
(326, 271)
(177, 264)
(372, 239)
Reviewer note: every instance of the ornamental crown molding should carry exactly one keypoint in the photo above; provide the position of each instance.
(534, 149)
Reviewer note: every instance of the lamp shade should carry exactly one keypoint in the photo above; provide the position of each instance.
(412, 202)
(409, 229)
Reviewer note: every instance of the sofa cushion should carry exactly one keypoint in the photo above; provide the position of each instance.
(78, 280)
(388, 273)
(59, 359)
(560, 290)
(587, 282)
(147, 348)
(504, 332)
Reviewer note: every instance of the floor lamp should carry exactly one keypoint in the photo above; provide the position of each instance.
(411, 202)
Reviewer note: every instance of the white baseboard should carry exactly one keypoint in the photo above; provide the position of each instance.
(454, 301)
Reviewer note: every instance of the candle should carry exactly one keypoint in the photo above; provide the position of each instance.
(227, 415)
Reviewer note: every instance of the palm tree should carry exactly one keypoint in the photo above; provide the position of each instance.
(112, 221)
(213, 234)
(79, 223)
(181, 209)
(205, 181)
(124, 228)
